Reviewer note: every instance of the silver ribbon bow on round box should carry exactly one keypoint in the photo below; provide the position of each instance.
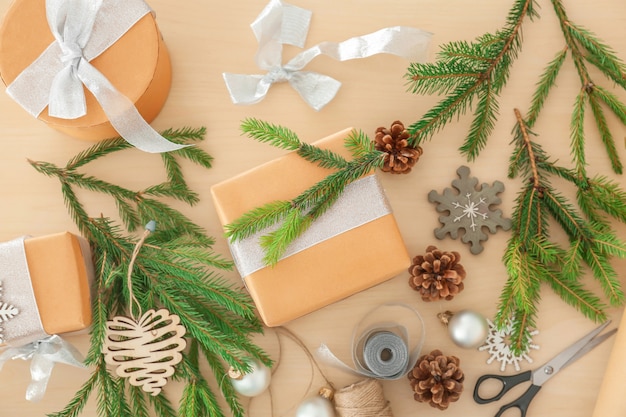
(84, 29)
(280, 23)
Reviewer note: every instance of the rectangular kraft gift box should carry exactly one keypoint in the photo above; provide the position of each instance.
(61, 272)
(326, 272)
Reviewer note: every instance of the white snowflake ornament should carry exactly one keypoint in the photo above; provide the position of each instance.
(498, 346)
(7, 312)
(470, 209)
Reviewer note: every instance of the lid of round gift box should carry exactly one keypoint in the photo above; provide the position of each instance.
(138, 65)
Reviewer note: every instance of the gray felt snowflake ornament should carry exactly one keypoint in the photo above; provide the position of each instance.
(469, 208)
(7, 312)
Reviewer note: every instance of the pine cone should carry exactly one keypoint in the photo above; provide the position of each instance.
(400, 157)
(437, 274)
(437, 379)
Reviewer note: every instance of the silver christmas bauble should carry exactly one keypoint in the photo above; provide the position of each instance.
(254, 382)
(316, 407)
(468, 329)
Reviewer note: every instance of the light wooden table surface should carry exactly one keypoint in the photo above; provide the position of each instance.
(206, 38)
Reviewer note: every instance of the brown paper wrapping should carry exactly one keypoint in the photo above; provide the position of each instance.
(138, 65)
(61, 272)
(611, 401)
(325, 273)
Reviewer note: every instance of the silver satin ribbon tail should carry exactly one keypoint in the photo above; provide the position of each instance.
(280, 23)
(386, 343)
(84, 29)
(43, 354)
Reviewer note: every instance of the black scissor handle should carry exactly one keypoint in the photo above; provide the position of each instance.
(507, 381)
(522, 402)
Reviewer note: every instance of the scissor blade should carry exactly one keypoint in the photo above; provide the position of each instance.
(567, 356)
(592, 344)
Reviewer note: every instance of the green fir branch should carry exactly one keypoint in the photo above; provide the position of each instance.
(468, 72)
(176, 269)
(531, 256)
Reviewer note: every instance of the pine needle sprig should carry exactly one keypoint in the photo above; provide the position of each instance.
(275, 135)
(544, 86)
(603, 195)
(601, 54)
(359, 144)
(176, 269)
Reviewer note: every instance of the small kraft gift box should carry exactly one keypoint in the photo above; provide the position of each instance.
(353, 246)
(45, 287)
(129, 65)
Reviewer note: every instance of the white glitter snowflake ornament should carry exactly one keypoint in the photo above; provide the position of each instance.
(498, 346)
(7, 312)
(470, 209)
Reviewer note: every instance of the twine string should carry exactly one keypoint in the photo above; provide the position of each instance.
(362, 399)
(150, 227)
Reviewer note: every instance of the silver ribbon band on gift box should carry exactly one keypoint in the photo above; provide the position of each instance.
(362, 201)
(82, 31)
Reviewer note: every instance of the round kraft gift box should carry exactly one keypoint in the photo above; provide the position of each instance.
(138, 65)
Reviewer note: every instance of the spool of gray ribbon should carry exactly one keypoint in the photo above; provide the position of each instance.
(386, 343)
(385, 354)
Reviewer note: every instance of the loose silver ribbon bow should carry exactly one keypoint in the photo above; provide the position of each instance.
(82, 30)
(43, 355)
(281, 23)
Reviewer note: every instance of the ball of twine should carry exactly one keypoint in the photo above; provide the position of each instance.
(362, 399)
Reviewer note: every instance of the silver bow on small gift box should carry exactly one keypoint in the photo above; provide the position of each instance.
(84, 29)
(280, 23)
(43, 355)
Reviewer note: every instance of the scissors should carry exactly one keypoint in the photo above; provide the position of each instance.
(542, 374)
